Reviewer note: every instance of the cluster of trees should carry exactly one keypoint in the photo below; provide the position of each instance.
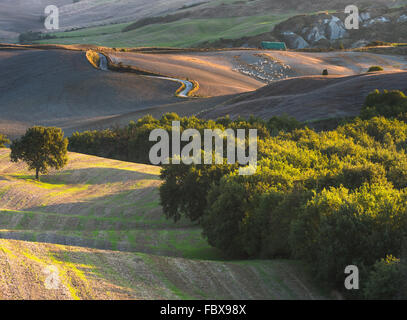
(131, 143)
(389, 104)
(333, 198)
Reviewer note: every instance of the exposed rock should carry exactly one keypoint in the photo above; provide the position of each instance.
(364, 16)
(402, 18)
(311, 30)
(336, 29)
(360, 44)
(293, 40)
(328, 30)
(376, 20)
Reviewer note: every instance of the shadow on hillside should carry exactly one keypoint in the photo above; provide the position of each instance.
(90, 176)
(135, 208)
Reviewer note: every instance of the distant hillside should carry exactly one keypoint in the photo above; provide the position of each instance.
(310, 98)
(192, 24)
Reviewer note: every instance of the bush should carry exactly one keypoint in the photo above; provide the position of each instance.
(185, 187)
(94, 58)
(283, 123)
(223, 219)
(325, 72)
(339, 227)
(3, 141)
(387, 280)
(390, 104)
(375, 69)
(332, 198)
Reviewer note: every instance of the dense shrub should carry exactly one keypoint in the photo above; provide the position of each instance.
(339, 227)
(3, 141)
(332, 198)
(375, 69)
(387, 280)
(131, 143)
(185, 187)
(93, 57)
(390, 104)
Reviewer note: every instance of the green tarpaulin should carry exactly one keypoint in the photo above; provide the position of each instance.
(273, 45)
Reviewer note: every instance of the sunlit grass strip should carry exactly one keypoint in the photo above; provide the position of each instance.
(93, 58)
(194, 89)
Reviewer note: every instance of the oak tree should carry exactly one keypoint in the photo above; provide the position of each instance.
(41, 148)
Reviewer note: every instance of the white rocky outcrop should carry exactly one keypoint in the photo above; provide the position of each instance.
(293, 40)
(336, 29)
(364, 16)
(402, 18)
(375, 21)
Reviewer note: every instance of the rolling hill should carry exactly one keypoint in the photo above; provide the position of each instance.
(179, 23)
(310, 98)
(57, 86)
(60, 87)
(99, 225)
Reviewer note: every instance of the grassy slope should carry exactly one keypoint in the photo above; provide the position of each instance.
(106, 204)
(94, 202)
(181, 33)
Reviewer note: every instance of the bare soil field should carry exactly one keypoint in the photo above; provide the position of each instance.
(60, 88)
(98, 225)
(338, 63)
(310, 98)
(213, 71)
(85, 274)
(236, 71)
(56, 86)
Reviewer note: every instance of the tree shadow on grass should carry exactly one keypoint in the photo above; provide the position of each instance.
(90, 176)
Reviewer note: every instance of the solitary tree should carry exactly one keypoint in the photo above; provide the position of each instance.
(3, 141)
(41, 148)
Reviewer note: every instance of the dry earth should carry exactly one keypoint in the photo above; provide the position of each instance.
(213, 71)
(235, 71)
(310, 98)
(31, 270)
(60, 88)
(46, 86)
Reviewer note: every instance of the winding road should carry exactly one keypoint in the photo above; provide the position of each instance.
(103, 65)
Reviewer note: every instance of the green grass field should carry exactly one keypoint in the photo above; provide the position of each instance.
(104, 204)
(182, 33)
